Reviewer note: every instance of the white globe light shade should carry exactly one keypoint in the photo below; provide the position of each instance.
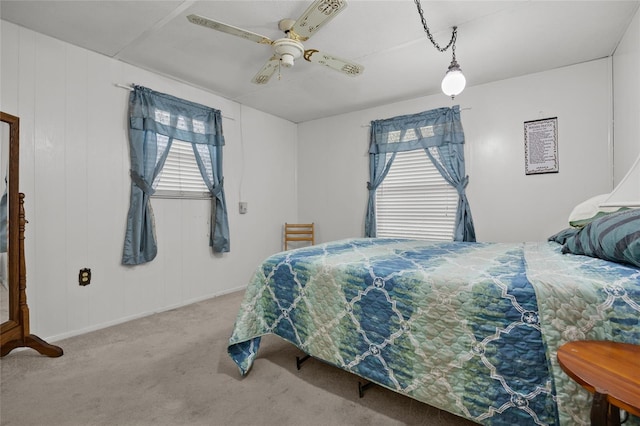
(453, 82)
(286, 60)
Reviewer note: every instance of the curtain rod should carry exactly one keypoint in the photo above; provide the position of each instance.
(130, 88)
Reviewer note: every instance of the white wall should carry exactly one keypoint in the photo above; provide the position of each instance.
(506, 204)
(626, 96)
(74, 172)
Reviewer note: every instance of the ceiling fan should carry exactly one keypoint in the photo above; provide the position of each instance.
(289, 48)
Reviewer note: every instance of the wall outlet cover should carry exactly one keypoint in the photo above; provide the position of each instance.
(84, 277)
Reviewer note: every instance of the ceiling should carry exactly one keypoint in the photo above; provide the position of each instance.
(496, 40)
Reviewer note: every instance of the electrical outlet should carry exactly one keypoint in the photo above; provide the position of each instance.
(243, 207)
(84, 277)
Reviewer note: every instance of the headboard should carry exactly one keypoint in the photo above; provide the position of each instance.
(627, 193)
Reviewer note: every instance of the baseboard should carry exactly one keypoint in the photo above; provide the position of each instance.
(100, 326)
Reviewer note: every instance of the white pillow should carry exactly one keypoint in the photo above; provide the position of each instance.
(589, 210)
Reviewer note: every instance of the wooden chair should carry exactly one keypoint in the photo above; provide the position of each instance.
(295, 232)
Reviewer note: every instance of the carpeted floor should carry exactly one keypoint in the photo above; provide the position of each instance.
(172, 368)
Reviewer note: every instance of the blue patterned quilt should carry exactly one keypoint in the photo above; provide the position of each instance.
(471, 328)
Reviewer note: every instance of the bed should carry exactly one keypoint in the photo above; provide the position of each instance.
(470, 328)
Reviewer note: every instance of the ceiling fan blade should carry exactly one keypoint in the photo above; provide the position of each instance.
(267, 71)
(319, 13)
(338, 64)
(229, 29)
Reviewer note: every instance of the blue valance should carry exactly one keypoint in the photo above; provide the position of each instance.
(422, 130)
(164, 114)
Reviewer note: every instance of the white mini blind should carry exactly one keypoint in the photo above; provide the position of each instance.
(414, 200)
(180, 176)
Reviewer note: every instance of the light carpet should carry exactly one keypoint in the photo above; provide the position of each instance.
(172, 368)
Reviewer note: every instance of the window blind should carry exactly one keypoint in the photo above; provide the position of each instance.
(180, 176)
(414, 200)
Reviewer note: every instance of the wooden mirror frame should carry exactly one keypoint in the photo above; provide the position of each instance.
(14, 333)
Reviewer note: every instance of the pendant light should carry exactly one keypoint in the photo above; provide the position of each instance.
(454, 81)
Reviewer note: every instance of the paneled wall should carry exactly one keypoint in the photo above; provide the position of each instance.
(506, 204)
(74, 172)
(626, 96)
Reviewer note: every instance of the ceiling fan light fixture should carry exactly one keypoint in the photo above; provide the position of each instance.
(286, 60)
(454, 81)
(288, 50)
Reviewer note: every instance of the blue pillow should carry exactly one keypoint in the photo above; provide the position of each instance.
(614, 237)
(561, 237)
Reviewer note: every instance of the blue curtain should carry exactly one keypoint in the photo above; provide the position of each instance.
(379, 165)
(439, 130)
(450, 163)
(209, 159)
(155, 119)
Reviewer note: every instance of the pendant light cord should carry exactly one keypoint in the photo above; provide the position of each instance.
(454, 35)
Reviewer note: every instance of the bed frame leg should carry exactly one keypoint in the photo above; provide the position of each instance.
(362, 388)
(300, 361)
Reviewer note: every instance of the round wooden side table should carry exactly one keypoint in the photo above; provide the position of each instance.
(609, 370)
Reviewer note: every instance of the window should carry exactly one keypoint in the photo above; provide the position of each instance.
(154, 120)
(414, 200)
(180, 177)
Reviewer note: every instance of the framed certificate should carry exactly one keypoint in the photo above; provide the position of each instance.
(541, 146)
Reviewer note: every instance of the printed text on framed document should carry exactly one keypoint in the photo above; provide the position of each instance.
(541, 146)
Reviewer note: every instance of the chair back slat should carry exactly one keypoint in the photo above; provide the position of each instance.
(298, 232)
